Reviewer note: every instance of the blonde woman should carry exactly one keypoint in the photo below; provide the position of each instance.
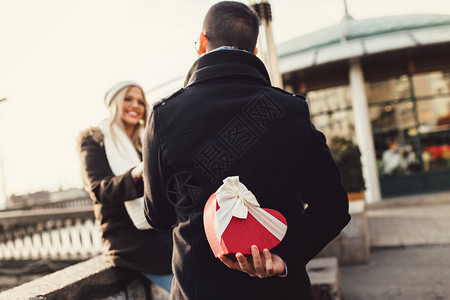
(111, 159)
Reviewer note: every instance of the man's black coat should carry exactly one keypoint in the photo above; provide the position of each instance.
(229, 121)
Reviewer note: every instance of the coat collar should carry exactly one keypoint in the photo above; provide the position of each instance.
(224, 63)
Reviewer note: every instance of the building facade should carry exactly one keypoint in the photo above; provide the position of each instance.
(385, 84)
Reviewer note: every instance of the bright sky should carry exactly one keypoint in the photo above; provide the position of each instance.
(58, 57)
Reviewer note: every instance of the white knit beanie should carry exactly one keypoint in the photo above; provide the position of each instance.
(112, 92)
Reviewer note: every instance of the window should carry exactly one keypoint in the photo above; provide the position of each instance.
(431, 84)
(392, 114)
(411, 131)
(433, 106)
(331, 111)
(388, 90)
(434, 119)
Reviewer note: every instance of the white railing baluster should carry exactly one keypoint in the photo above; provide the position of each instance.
(79, 241)
(55, 241)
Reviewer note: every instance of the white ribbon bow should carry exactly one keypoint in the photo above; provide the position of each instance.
(235, 200)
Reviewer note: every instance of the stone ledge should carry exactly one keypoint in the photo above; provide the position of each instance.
(412, 200)
(92, 279)
(12, 217)
(325, 280)
(352, 245)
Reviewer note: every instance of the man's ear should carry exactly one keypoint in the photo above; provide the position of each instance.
(255, 52)
(202, 44)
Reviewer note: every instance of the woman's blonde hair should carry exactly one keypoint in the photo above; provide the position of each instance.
(115, 109)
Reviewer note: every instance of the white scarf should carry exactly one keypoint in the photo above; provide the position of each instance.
(122, 156)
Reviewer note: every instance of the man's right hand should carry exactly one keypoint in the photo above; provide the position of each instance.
(260, 265)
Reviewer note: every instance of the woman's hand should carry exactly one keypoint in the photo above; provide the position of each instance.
(137, 172)
(260, 265)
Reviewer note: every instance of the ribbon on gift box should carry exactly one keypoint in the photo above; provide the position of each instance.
(235, 200)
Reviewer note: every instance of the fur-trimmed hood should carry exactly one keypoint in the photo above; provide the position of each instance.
(92, 132)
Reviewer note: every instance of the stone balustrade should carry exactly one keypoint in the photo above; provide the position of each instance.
(57, 234)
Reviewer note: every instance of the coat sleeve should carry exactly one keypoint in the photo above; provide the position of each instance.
(158, 209)
(319, 185)
(100, 182)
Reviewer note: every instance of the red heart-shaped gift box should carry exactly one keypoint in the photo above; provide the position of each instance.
(240, 234)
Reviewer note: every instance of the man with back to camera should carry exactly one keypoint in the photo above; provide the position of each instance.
(229, 121)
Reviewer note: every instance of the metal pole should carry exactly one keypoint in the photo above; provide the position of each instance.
(4, 201)
(273, 58)
(264, 12)
(346, 9)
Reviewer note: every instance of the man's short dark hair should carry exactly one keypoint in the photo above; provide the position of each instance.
(230, 23)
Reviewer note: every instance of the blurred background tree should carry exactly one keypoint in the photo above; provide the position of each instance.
(348, 158)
